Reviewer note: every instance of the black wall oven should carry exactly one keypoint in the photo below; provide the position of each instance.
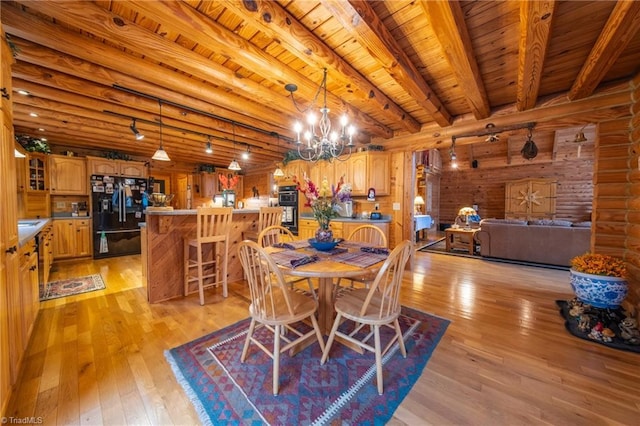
(288, 200)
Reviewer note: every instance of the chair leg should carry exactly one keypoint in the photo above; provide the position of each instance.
(403, 350)
(200, 274)
(185, 258)
(276, 359)
(224, 268)
(332, 335)
(316, 327)
(376, 332)
(247, 342)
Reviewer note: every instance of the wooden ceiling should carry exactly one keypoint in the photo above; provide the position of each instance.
(218, 68)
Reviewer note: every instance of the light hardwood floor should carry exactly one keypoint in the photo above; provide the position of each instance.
(505, 359)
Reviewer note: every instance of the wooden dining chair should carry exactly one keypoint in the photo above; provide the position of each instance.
(368, 234)
(275, 307)
(268, 216)
(206, 254)
(374, 307)
(276, 234)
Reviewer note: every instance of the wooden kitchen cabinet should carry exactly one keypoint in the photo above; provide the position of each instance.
(307, 229)
(322, 170)
(357, 174)
(10, 308)
(378, 172)
(105, 166)
(29, 291)
(46, 241)
(72, 238)
(68, 175)
(37, 173)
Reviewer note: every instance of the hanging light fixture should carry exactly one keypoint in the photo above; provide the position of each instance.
(529, 151)
(245, 155)
(139, 136)
(161, 154)
(208, 148)
(452, 153)
(234, 163)
(580, 139)
(326, 144)
(278, 173)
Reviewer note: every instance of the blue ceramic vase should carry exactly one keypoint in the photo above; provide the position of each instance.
(599, 290)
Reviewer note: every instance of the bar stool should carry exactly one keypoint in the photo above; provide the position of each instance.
(205, 256)
(268, 216)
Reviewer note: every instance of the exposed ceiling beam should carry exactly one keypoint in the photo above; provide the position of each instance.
(359, 18)
(448, 22)
(536, 19)
(214, 36)
(272, 19)
(621, 27)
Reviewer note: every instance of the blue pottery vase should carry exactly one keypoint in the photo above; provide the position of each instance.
(599, 290)
(324, 234)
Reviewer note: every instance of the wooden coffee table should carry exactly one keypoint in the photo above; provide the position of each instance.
(461, 238)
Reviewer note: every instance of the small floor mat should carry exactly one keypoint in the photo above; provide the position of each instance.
(70, 287)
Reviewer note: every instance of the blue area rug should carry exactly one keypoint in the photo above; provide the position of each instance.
(224, 390)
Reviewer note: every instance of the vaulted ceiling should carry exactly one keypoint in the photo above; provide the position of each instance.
(218, 68)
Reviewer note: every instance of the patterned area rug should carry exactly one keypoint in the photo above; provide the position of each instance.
(224, 390)
(64, 288)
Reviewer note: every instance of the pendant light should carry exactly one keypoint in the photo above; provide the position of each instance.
(234, 163)
(161, 154)
(208, 148)
(278, 173)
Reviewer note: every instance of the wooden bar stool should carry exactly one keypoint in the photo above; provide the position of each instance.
(205, 256)
(268, 216)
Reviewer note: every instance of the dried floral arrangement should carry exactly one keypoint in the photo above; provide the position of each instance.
(599, 264)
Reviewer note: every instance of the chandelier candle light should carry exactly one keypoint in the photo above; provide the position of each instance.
(327, 144)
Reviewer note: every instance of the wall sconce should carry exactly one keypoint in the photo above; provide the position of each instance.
(139, 136)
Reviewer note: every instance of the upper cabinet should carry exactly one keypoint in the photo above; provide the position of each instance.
(363, 170)
(104, 166)
(68, 175)
(37, 173)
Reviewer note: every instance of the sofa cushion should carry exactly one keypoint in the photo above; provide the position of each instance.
(550, 222)
(585, 224)
(507, 221)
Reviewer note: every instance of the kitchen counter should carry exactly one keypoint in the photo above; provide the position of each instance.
(385, 219)
(29, 228)
(182, 212)
(162, 244)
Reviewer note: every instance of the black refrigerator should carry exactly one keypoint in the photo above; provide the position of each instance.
(117, 209)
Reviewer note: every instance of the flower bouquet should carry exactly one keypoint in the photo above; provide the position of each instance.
(322, 202)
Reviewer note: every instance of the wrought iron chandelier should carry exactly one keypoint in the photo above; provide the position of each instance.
(319, 142)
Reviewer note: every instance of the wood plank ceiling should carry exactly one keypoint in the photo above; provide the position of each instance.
(219, 67)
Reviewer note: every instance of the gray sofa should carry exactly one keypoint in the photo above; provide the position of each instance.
(552, 242)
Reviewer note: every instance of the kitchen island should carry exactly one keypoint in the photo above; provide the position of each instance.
(162, 249)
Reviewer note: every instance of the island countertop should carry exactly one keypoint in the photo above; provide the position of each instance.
(162, 249)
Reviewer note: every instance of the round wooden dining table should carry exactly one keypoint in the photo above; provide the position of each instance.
(326, 270)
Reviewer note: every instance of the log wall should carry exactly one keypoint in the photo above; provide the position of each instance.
(501, 162)
(632, 243)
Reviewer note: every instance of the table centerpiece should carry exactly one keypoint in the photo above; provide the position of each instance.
(322, 201)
